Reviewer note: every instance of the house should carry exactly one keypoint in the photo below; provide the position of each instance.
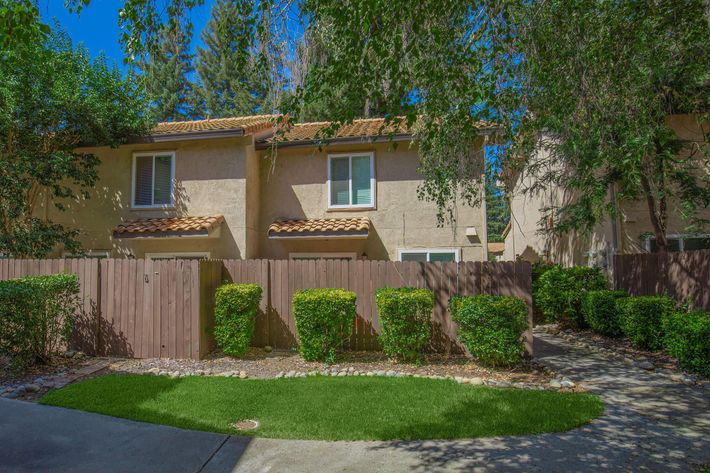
(216, 189)
(630, 232)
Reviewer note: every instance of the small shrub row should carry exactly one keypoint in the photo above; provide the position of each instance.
(652, 323)
(37, 316)
(236, 308)
(559, 291)
(491, 327)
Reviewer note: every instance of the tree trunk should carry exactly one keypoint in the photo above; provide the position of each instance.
(657, 221)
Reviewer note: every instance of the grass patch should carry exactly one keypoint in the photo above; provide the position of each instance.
(352, 408)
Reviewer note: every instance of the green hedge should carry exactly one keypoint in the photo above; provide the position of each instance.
(559, 292)
(405, 317)
(642, 319)
(324, 320)
(687, 338)
(37, 316)
(600, 312)
(538, 269)
(491, 327)
(236, 308)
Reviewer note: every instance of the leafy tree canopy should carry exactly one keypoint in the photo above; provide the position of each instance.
(53, 98)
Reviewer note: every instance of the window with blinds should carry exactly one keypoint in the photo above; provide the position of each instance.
(351, 180)
(153, 179)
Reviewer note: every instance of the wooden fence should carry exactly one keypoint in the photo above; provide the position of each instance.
(683, 276)
(165, 308)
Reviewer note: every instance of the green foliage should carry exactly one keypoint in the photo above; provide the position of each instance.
(236, 308)
(324, 320)
(405, 317)
(37, 315)
(53, 97)
(647, 57)
(642, 319)
(600, 312)
(559, 292)
(491, 327)
(231, 75)
(497, 209)
(538, 269)
(687, 338)
(165, 73)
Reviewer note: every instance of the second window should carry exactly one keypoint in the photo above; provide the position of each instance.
(351, 180)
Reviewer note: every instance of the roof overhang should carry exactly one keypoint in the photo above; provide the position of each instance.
(320, 229)
(349, 140)
(171, 227)
(187, 136)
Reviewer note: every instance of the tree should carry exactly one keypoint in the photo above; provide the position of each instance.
(230, 71)
(497, 209)
(52, 99)
(165, 72)
(601, 80)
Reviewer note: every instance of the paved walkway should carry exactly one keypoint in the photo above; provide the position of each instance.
(650, 424)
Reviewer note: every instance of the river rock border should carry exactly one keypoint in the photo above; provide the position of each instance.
(557, 383)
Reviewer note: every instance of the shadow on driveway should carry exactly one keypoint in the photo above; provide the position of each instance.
(36, 438)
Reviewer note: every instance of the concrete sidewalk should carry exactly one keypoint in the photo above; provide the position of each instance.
(36, 438)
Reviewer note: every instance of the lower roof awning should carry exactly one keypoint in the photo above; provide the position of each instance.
(312, 228)
(171, 227)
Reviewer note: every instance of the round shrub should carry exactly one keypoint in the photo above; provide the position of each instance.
(687, 338)
(405, 316)
(236, 308)
(559, 293)
(491, 327)
(324, 320)
(642, 319)
(37, 316)
(600, 312)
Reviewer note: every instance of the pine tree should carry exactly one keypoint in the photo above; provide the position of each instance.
(166, 74)
(232, 83)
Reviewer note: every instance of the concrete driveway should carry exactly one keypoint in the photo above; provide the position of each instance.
(649, 425)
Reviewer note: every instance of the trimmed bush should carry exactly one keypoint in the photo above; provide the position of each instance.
(324, 320)
(405, 316)
(538, 269)
(600, 312)
(687, 338)
(236, 308)
(642, 319)
(37, 316)
(559, 293)
(491, 327)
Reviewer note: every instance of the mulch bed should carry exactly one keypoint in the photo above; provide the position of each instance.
(258, 363)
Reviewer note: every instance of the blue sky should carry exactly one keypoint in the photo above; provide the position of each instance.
(97, 25)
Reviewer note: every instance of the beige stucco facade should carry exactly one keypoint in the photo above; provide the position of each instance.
(625, 234)
(251, 189)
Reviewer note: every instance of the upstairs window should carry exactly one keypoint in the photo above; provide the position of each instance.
(677, 243)
(153, 176)
(351, 181)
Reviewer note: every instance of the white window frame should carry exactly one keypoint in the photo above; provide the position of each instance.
(322, 255)
(428, 251)
(681, 237)
(373, 181)
(153, 154)
(89, 254)
(178, 255)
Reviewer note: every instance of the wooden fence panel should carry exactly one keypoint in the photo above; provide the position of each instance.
(683, 276)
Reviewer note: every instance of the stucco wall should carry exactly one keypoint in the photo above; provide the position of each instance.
(294, 185)
(625, 234)
(210, 179)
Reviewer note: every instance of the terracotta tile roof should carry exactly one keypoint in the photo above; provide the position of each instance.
(359, 226)
(168, 225)
(496, 247)
(363, 128)
(248, 124)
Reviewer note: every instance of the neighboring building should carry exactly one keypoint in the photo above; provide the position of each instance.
(214, 189)
(630, 232)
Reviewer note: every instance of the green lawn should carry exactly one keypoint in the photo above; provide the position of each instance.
(327, 408)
